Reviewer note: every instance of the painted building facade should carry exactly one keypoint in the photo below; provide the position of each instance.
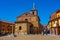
(6, 27)
(54, 23)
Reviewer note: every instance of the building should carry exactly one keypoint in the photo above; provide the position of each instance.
(54, 23)
(6, 27)
(28, 23)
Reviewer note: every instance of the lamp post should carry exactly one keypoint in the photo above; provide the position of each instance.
(12, 31)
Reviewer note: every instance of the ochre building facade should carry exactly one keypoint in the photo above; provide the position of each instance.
(54, 23)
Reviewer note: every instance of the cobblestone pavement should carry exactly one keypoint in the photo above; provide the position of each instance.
(30, 37)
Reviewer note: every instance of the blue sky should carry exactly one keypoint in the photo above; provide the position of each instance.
(10, 9)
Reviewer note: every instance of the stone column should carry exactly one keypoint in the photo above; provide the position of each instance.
(56, 30)
(50, 31)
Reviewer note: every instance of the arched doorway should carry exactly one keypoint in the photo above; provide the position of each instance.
(31, 29)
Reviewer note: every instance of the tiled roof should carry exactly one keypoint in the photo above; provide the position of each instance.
(54, 15)
(6, 22)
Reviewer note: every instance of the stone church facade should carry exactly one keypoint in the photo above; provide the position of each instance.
(28, 23)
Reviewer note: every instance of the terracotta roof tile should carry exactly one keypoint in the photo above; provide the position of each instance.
(54, 15)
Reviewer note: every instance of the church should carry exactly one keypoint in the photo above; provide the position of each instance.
(28, 23)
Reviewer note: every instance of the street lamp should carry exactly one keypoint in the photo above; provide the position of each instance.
(12, 30)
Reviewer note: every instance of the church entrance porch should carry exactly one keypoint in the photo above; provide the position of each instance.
(30, 29)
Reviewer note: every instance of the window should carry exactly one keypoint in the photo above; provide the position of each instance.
(26, 19)
(3, 25)
(8, 29)
(26, 14)
(20, 28)
(58, 15)
(0, 24)
(33, 13)
(2, 29)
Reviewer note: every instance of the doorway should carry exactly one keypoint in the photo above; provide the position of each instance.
(31, 29)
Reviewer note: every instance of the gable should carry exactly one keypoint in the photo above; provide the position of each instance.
(23, 15)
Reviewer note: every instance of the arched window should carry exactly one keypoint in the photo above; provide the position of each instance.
(26, 19)
(33, 13)
(26, 14)
(20, 28)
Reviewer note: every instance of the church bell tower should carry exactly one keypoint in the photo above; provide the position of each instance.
(34, 11)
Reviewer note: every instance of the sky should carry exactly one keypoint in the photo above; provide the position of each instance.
(10, 9)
